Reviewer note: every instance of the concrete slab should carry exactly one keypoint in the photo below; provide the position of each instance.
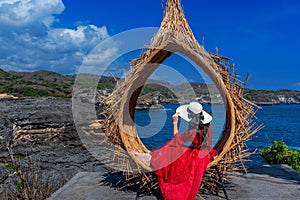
(86, 185)
(93, 186)
(263, 182)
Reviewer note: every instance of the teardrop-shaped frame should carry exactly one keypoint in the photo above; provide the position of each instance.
(176, 36)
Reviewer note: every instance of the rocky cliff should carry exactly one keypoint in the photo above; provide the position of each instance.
(44, 141)
(37, 121)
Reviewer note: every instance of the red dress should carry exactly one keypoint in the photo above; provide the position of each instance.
(180, 168)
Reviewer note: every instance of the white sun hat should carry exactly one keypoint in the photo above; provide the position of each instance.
(193, 108)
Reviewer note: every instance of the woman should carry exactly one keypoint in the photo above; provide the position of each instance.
(179, 167)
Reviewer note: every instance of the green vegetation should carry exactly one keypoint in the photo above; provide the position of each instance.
(27, 91)
(102, 86)
(10, 166)
(260, 95)
(279, 153)
(20, 157)
(47, 83)
(20, 186)
(36, 84)
(148, 89)
(164, 91)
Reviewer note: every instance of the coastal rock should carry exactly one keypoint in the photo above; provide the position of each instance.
(37, 120)
(269, 97)
(44, 141)
(288, 100)
(6, 135)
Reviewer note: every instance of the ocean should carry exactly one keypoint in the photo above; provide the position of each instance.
(281, 122)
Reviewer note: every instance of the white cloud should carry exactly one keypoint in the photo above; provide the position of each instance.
(99, 61)
(25, 12)
(83, 35)
(29, 41)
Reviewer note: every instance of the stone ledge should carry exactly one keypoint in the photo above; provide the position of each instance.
(90, 186)
(262, 182)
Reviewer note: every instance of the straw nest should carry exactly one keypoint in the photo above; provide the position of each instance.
(175, 35)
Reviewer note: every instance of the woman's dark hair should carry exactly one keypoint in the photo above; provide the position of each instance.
(196, 123)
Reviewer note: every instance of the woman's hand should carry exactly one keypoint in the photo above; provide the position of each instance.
(175, 118)
(175, 122)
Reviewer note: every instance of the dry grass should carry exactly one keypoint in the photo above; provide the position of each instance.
(26, 180)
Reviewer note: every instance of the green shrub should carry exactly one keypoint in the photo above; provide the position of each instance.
(279, 153)
(28, 91)
(20, 186)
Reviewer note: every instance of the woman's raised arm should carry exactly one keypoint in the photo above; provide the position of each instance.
(175, 123)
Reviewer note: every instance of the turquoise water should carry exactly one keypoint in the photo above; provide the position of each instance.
(281, 122)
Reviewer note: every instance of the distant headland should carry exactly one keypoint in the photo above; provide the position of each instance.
(47, 83)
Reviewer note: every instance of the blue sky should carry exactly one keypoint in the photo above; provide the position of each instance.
(262, 37)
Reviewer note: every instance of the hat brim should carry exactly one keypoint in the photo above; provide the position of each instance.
(183, 113)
